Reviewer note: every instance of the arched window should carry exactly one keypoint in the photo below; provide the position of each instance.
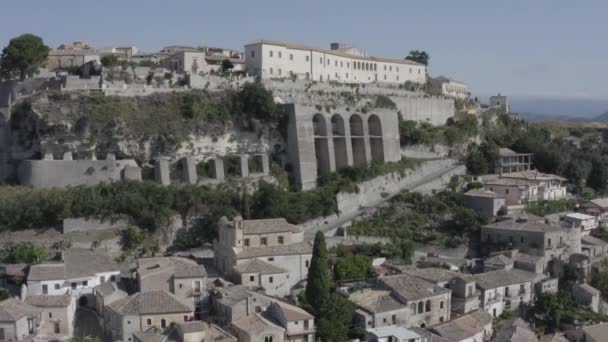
(428, 305)
(420, 307)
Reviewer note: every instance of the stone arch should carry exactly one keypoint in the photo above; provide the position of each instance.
(339, 136)
(319, 124)
(376, 141)
(357, 139)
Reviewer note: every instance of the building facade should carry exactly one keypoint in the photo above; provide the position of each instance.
(274, 59)
(444, 86)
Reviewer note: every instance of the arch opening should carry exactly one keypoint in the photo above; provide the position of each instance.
(357, 140)
(339, 139)
(376, 141)
(321, 144)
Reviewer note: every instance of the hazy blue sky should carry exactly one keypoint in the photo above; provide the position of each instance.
(534, 48)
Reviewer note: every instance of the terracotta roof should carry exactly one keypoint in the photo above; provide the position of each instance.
(258, 266)
(77, 263)
(149, 302)
(494, 279)
(49, 301)
(291, 249)
(464, 327)
(333, 52)
(412, 288)
(13, 309)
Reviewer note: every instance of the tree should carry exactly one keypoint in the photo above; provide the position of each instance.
(23, 56)
(419, 56)
(109, 61)
(318, 284)
(333, 325)
(227, 65)
(598, 176)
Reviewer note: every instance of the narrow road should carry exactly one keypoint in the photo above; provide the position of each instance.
(416, 186)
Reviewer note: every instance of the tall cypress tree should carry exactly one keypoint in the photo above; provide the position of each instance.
(318, 284)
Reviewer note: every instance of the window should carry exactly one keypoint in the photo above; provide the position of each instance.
(307, 263)
(420, 307)
(348, 64)
(197, 287)
(320, 60)
(549, 242)
(390, 68)
(102, 279)
(385, 68)
(428, 305)
(280, 54)
(50, 315)
(264, 241)
(328, 61)
(45, 289)
(185, 318)
(507, 191)
(521, 239)
(441, 305)
(341, 64)
(281, 240)
(270, 280)
(335, 63)
(418, 71)
(308, 58)
(149, 321)
(57, 286)
(271, 259)
(246, 242)
(268, 339)
(291, 56)
(73, 286)
(270, 53)
(306, 324)
(394, 319)
(85, 283)
(384, 320)
(128, 322)
(410, 70)
(397, 68)
(180, 285)
(441, 319)
(279, 71)
(413, 308)
(397, 77)
(251, 278)
(385, 77)
(163, 323)
(252, 54)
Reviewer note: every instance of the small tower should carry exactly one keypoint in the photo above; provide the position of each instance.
(238, 231)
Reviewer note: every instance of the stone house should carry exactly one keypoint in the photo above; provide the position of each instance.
(472, 327)
(498, 262)
(71, 55)
(514, 330)
(106, 294)
(465, 296)
(550, 186)
(19, 321)
(598, 208)
(530, 236)
(182, 277)
(235, 302)
(393, 333)
(256, 328)
(587, 295)
(594, 248)
(299, 325)
(515, 191)
(144, 311)
(282, 255)
(484, 201)
(57, 314)
(402, 299)
(78, 272)
(187, 61)
(502, 290)
(444, 86)
(586, 223)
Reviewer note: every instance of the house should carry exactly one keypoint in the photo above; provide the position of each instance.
(550, 186)
(402, 299)
(57, 313)
(268, 59)
(72, 55)
(516, 192)
(586, 223)
(393, 333)
(180, 276)
(597, 207)
(502, 290)
(235, 302)
(485, 201)
(475, 326)
(299, 325)
(198, 331)
(106, 294)
(77, 273)
(465, 296)
(511, 161)
(144, 311)
(588, 295)
(444, 86)
(498, 262)
(594, 248)
(186, 61)
(256, 328)
(530, 236)
(514, 330)
(281, 255)
(19, 321)
(501, 102)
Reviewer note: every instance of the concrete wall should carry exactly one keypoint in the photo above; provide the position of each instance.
(435, 111)
(62, 173)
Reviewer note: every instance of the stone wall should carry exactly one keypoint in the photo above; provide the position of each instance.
(88, 224)
(62, 173)
(71, 82)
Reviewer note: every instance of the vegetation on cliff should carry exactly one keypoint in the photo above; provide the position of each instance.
(450, 134)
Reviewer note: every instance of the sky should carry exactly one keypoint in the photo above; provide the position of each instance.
(522, 48)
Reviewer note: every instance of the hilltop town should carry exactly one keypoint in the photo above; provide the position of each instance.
(285, 192)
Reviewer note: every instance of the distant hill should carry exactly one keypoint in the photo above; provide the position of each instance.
(601, 118)
(562, 109)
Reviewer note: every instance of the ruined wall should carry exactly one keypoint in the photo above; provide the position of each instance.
(62, 173)
(435, 111)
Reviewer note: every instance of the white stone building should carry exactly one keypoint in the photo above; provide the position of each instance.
(19, 321)
(270, 254)
(448, 87)
(502, 290)
(77, 274)
(585, 222)
(275, 59)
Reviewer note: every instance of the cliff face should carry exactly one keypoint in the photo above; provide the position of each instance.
(141, 128)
